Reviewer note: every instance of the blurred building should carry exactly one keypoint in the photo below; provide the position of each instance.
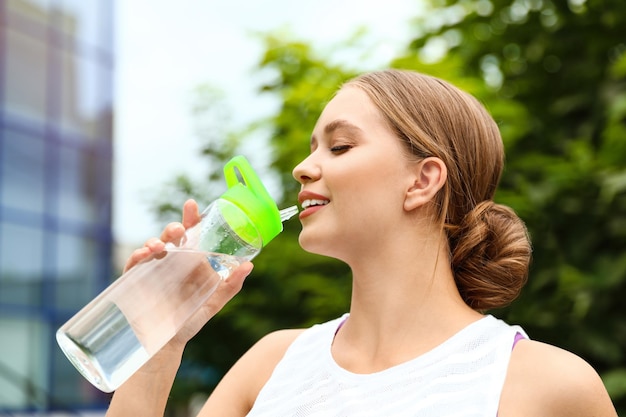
(56, 103)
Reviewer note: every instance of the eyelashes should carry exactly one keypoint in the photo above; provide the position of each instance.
(340, 149)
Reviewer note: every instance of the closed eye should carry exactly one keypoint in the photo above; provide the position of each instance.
(340, 148)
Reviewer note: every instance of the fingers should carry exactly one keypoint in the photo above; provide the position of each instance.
(235, 280)
(173, 232)
(191, 214)
(150, 248)
(225, 291)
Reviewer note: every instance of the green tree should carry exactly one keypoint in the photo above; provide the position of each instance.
(555, 80)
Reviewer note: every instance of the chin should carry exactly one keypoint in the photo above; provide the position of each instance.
(309, 244)
(318, 245)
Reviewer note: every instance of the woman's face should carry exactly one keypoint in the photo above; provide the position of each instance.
(354, 181)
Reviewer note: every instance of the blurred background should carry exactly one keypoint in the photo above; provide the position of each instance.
(114, 113)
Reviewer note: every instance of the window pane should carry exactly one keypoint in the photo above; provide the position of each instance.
(77, 267)
(32, 10)
(104, 123)
(22, 171)
(81, 20)
(83, 101)
(21, 253)
(77, 182)
(23, 362)
(107, 40)
(25, 76)
(20, 293)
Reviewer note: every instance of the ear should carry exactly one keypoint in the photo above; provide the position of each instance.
(430, 176)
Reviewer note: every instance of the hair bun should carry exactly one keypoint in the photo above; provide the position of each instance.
(491, 254)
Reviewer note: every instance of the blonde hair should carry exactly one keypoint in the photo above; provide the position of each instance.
(489, 245)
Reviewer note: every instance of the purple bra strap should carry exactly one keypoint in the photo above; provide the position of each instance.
(518, 337)
(340, 325)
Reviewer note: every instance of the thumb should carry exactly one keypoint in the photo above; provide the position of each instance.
(229, 287)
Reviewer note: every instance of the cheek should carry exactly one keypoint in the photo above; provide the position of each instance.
(375, 192)
(378, 211)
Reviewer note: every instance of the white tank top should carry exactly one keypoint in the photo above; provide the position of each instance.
(461, 377)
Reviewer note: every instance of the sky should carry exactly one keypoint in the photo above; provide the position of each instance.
(165, 49)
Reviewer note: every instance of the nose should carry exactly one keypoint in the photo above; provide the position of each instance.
(306, 171)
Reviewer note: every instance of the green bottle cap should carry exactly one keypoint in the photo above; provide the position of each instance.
(246, 191)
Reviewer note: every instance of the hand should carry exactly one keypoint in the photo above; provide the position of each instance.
(226, 290)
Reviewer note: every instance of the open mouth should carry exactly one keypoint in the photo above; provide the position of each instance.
(313, 202)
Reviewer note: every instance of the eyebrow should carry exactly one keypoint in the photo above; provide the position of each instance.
(341, 124)
(337, 125)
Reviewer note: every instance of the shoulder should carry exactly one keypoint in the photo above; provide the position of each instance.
(239, 388)
(263, 357)
(549, 381)
(273, 346)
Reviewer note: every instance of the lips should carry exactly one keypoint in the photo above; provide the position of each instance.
(311, 202)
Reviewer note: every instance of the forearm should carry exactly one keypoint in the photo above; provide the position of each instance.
(147, 391)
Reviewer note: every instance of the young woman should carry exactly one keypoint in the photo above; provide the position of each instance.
(399, 185)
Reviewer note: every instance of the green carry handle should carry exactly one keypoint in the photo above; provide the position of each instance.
(247, 192)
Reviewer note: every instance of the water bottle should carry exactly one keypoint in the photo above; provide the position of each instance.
(123, 327)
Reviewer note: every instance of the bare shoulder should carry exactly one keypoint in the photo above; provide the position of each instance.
(279, 340)
(236, 393)
(549, 381)
(269, 350)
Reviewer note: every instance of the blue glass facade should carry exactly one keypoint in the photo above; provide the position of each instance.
(56, 112)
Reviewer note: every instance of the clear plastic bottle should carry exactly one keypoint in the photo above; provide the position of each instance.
(116, 333)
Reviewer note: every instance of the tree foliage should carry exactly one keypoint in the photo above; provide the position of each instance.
(556, 84)
(553, 74)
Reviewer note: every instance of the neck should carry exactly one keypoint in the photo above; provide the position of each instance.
(404, 303)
